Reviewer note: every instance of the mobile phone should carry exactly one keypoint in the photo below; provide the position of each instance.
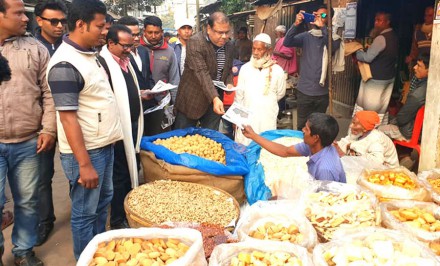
(308, 17)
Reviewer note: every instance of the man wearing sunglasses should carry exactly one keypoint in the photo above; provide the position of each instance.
(51, 19)
(312, 92)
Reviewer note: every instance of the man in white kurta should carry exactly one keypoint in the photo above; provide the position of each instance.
(261, 84)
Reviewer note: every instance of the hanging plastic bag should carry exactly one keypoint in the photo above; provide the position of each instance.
(195, 256)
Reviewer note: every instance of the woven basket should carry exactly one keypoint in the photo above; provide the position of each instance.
(135, 221)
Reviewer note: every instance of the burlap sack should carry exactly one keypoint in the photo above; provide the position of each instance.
(155, 169)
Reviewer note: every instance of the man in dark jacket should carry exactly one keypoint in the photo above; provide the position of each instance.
(51, 18)
(209, 57)
(312, 90)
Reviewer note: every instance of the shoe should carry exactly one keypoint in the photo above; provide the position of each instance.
(122, 225)
(407, 162)
(43, 233)
(28, 260)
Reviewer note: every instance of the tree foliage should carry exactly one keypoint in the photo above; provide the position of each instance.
(121, 7)
(232, 6)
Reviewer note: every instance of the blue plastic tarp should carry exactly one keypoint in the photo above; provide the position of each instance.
(236, 163)
(254, 186)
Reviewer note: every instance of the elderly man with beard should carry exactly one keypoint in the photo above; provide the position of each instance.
(364, 140)
(261, 84)
(375, 93)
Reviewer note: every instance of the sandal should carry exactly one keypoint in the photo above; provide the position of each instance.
(7, 219)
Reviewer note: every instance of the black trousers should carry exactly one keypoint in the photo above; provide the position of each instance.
(307, 105)
(45, 199)
(121, 180)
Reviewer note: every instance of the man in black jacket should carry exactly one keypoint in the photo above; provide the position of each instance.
(51, 18)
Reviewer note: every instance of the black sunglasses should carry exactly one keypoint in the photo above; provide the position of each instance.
(54, 21)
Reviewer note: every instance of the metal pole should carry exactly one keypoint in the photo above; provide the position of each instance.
(198, 16)
(187, 13)
(329, 46)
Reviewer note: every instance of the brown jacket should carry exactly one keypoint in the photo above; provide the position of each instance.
(196, 89)
(26, 104)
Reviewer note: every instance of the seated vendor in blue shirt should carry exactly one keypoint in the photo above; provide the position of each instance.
(319, 133)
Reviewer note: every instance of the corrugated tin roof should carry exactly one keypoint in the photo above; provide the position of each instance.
(211, 8)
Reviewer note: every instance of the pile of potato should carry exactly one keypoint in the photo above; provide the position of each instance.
(257, 258)
(139, 252)
(278, 232)
(399, 179)
(196, 145)
(417, 218)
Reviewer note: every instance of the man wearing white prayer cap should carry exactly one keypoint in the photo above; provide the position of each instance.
(261, 84)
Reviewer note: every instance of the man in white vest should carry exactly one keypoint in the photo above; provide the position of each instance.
(115, 58)
(88, 120)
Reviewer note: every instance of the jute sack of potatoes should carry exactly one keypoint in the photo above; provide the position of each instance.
(156, 169)
(194, 256)
(277, 221)
(277, 253)
(396, 183)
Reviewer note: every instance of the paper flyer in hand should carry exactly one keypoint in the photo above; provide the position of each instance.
(160, 87)
(238, 115)
(166, 100)
(221, 85)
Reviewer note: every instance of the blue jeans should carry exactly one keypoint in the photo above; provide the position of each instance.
(20, 163)
(89, 206)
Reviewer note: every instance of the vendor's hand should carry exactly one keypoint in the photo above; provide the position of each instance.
(218, 106)
(299, 17)
(319, 21)
(145, 96)
(45, 142)
(338, 149)
(248, 132)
